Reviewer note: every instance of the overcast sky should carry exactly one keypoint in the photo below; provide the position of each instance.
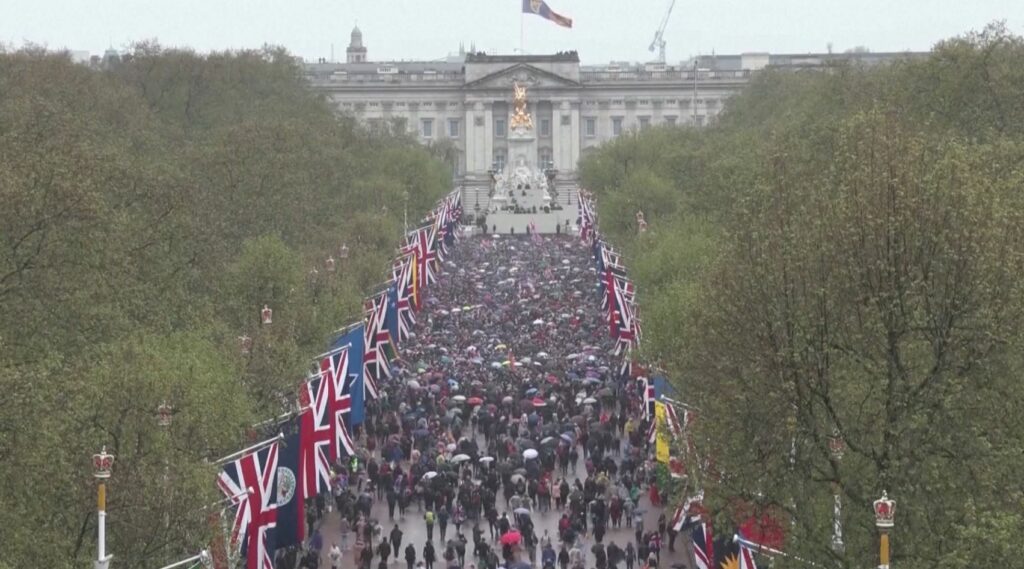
(603, 30)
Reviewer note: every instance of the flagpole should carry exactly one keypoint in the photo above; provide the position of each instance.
(316, 359)
(254, 448)
(203, 559)
(761, 548)
(345, 330)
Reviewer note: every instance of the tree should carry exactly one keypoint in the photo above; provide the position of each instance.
(841, 256)
(147, 212)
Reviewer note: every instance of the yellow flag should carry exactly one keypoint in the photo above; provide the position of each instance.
(661, 446)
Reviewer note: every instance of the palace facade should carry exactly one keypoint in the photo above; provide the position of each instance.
(467, 99)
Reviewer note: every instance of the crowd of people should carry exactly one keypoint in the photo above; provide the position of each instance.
(504, 408)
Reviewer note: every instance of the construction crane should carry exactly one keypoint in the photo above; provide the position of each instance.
(659, 36)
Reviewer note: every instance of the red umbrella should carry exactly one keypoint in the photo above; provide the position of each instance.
(511, 538)
(474, 401)
(538, 402)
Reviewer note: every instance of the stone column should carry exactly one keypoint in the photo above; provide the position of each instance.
(574, 153)
(556, 135)
(488, 141)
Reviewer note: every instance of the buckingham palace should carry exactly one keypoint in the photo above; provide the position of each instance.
(466, 98)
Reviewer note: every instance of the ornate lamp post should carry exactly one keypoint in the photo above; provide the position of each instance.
(885, 511)
(267, 315)
(245, 344)
(101, 465)
(836, 449)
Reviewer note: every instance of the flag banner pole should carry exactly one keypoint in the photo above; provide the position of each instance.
(254, 448)
(281, 418)
(230, 500)
(759, 548)
(676, 403)
(379, 288)
(199, 559)
(316, 359)
(341, 331)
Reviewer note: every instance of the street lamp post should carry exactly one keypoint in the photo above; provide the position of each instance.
(405, 211)
(836, 448)
(101, 464)
(885, 512)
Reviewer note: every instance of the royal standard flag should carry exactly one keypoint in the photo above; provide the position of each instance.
(540, 7)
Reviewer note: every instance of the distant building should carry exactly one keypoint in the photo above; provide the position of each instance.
(466, 99)
(356, 51)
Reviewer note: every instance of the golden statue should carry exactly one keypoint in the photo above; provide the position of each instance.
(520, 118)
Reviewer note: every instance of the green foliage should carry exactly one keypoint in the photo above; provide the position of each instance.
(147, 212)
(842, 251)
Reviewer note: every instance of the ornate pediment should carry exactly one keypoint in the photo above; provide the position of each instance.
(523, 74)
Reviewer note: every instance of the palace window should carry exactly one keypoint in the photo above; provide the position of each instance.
(644, 122)
(499, 127)
(544, 158)
(545, 127)
(590, 126)
(670, 120)
(499, 160)
(616, 126)
(427, 128)
(453, 128)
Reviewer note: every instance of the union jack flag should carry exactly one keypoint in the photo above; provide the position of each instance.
(421, 243)
(402, 271)
(316, 431)
(256, 515)
(621, 317)
(588, 218)
(341, 388)
(426, 256)
(647, 391)
(674, 426)
(703, 547)
(688, 513)
(378, 349)
(746, 558)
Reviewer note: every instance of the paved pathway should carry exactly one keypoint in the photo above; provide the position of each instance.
(416, 532)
